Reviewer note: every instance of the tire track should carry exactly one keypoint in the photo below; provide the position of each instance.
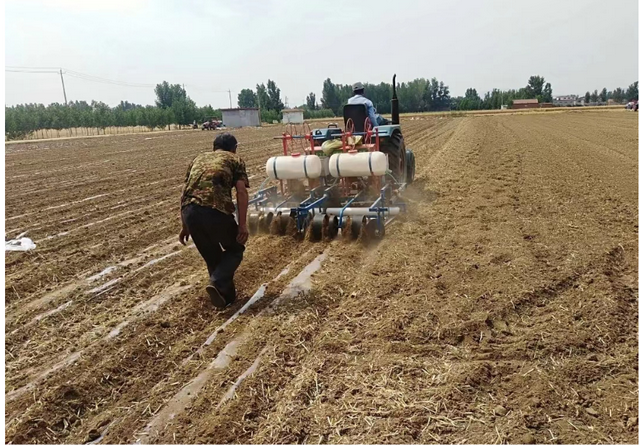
(188, 393)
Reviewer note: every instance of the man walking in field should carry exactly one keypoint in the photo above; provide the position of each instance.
(207, 212)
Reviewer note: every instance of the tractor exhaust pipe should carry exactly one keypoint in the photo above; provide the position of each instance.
(395, 106)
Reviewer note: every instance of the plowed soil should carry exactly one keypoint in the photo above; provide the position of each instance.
(503, 307)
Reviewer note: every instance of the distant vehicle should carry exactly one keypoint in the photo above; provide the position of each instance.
(211, 124)
(633, 105)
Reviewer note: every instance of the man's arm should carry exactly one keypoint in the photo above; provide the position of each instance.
(186, 181)
(372, 114)
(243, 204)
(184, 232)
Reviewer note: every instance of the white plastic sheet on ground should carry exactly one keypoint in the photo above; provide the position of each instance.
(20, 243)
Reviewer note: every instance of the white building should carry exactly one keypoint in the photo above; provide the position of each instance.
(569, 100)
(241, 117)
(292, 116)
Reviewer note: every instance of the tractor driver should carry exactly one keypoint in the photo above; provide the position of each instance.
(207, 213)
(359, 98)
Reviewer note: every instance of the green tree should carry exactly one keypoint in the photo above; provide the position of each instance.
(263, 97)
(153, 116)
(206, 112)
(119, 116)
(269, 116)
(411, 95)
(587, 97)
(330, 99)
(547, 93)
(493, 99)
(618, 95)
(379, 94)
(471, 100)
(317, 114)
(184, 111)
(131, 116)
(247, 98)
(603, 95)
(595, 96)
(163, 117)
(166, 94)
(126, 105)
(101, 115)
(440, 99)
(534, 87)
(274, 96)
(632, 92)
(345, 91)
(311, 102)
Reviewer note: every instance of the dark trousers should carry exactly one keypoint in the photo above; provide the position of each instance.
(214, 234)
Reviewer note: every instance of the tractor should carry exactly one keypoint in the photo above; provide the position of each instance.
(210, 124)
(334, 180)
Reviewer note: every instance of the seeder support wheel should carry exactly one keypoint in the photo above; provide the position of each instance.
(264, 222)
(279, 224)
(315, 228)
(329, 227)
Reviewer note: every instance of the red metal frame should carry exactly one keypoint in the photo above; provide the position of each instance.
(349, 131)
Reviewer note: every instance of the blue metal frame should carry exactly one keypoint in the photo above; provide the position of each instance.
(263, 195)
(345, 207)
(301, 213)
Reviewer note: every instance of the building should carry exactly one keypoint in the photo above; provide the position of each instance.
(240, 117)
(525, 103)
(566, 101)
(292, 116)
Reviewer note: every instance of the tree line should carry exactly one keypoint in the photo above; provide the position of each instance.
(618, 95)
(426, 95)
(173, 106)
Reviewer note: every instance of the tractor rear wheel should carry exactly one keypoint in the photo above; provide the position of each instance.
(411, 166)
(394, 148)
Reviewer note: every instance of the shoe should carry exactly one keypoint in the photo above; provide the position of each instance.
(217, 299)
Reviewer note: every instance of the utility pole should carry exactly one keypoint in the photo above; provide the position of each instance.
(230, 106)
(63, 90)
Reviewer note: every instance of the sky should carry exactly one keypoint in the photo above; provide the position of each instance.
(213, 46)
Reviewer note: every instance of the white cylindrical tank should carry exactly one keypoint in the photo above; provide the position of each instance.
(361, 164)
(294, 167)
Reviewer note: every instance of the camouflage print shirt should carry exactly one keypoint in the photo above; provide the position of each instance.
(210, 178)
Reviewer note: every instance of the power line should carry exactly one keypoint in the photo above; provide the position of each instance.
(100, 80)
(76, 74)
(92, 78)
(205, 89)
(97, 79)
(32, 68)
(31, 71)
